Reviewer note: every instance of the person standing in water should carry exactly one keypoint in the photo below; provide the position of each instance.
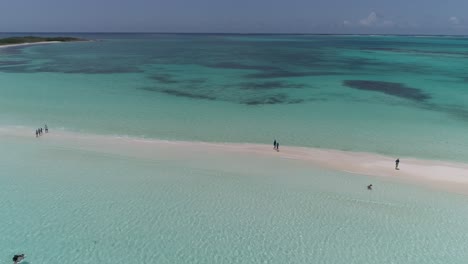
(274, 144)
(277, 146)
(397, 162)
(369, 187)
(37, 133)
(46, 128)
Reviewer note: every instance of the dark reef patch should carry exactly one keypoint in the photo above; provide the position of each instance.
(456, 111)
(356, 63)
(287, 74)
(240, 66)
(371, 66)
(12, 63)
(26, 68)
(390, 88)
(16, 69)
(179, 93)
(415, 51)
(272, 99)
(163, 78)
(295, 101)
(269, 85)
(94, 71)
(15, 50)
(149, 89)
(197, 81)
(279, 98)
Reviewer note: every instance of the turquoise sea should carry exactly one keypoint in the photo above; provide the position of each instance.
(401, 96)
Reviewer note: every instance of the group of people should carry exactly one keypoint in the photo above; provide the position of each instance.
(39, 131)
(276, 145)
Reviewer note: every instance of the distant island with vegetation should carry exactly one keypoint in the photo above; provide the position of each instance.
(32, 39)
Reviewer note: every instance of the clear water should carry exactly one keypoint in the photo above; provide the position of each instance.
(248, 89)
(401, 96)
(62, 205)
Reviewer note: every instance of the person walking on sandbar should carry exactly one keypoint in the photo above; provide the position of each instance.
(46, 128)
(397, 162)
(274, 144)
(277, 146)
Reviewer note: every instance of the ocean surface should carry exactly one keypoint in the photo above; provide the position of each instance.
(400, 96)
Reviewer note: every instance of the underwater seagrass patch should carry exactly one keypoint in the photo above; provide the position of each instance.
(279, 98)
(269, 85)
(390, 88)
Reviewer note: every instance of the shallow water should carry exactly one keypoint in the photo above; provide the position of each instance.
(249, 89)
(66, 205)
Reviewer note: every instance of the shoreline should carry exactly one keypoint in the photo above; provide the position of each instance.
(449, 176)
(29, 44)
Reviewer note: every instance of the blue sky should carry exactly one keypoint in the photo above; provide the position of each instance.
(242, 16)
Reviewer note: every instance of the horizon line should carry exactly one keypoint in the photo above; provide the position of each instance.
(229, 33)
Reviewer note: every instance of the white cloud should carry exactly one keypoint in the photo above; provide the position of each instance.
(454, 20)
(375, 20)
(346, 23)
(370, 20)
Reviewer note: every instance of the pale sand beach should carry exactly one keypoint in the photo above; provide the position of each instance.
(448, 176)
(29, 44)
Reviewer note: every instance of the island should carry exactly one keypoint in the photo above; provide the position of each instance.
(35, 40)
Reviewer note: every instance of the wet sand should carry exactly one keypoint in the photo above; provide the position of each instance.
(444, 175)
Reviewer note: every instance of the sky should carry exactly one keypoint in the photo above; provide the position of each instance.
(237, 16)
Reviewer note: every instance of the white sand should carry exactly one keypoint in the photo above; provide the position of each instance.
(450, 176)
(29, 44)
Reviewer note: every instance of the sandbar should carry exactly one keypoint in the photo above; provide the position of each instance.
(446, 175)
